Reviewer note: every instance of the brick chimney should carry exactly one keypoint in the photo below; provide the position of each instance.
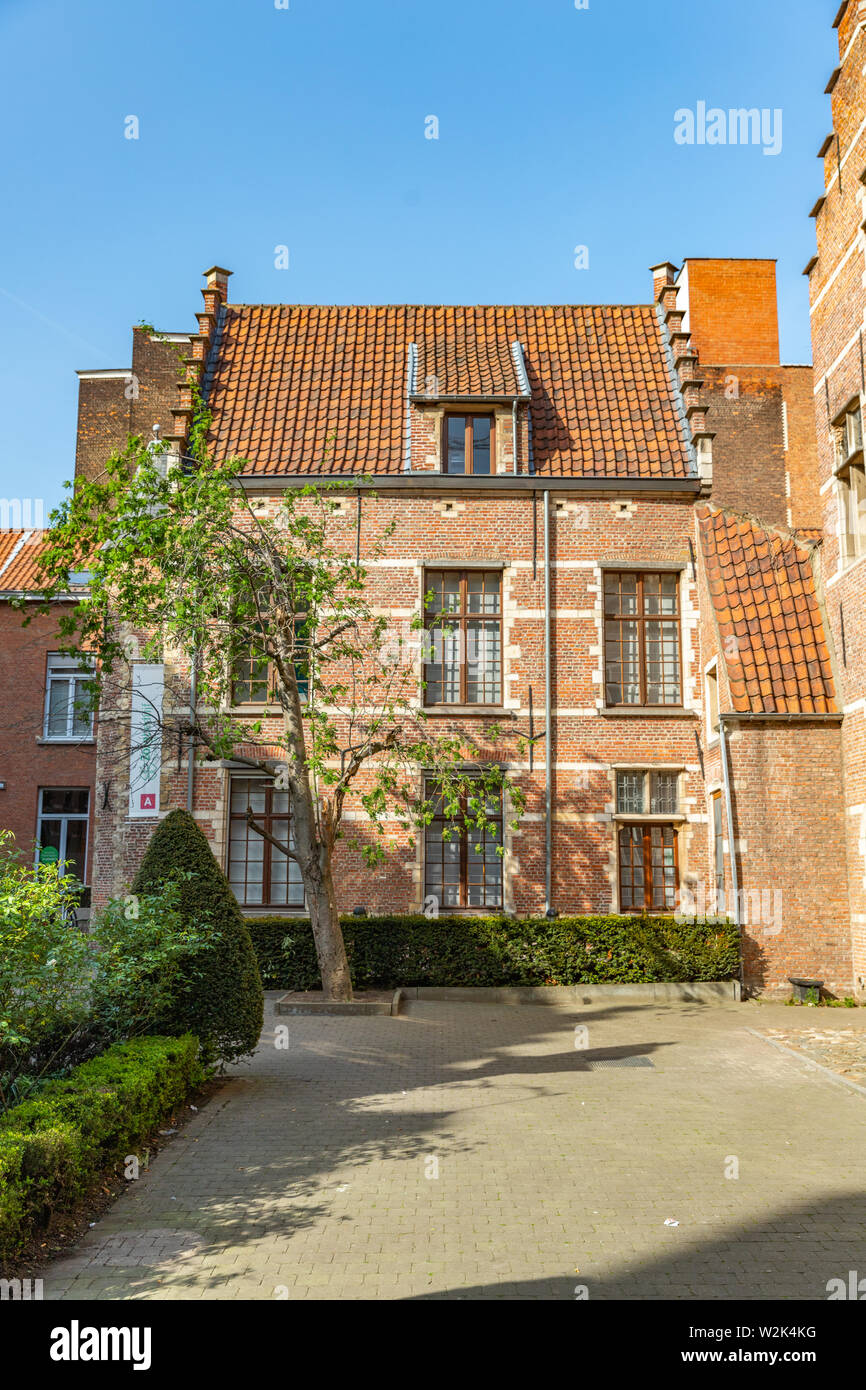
(730, 311)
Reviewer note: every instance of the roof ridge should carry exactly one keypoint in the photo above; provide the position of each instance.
(434, 304)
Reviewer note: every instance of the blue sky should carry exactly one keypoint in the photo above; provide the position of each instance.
(304, 127)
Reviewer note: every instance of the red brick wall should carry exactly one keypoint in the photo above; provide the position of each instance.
(112, 408)
(838, 300)
(732, 311)
(789, 816)
(25, 763)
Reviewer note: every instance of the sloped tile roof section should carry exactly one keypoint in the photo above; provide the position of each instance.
(19, 563)
(301, 388)
(762, 588)
(19, 553)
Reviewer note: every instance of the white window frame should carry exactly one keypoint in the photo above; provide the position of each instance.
(65, 668)
(64, 817)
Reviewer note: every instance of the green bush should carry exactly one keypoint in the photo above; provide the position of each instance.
(388, 951)
(147, 955)
(53, 1148)
(45, 968)
(225, 1008)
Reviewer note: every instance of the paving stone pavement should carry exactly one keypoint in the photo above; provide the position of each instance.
(467, 1151)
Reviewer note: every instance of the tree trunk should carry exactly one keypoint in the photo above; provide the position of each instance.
(327, 933)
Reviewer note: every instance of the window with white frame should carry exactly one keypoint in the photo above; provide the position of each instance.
(68, 706)
(61, 827)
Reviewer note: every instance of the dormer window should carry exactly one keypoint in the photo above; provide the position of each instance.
(468, 444)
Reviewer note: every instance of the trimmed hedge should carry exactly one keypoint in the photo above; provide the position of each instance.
(225, 1008)
(388, 951)
(52, 1148)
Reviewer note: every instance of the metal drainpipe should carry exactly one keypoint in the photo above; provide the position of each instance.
(193, 701)
(548, 733)
(729, 814)
(514, 435)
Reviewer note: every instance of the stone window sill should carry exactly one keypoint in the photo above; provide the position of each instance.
(64, 742)
(647, 712)
(470, 711)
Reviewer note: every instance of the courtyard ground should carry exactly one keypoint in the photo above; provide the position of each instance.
(478, 1151)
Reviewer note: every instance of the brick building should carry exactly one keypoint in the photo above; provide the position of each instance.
(47, 736)
(837, 287)
(627, 494)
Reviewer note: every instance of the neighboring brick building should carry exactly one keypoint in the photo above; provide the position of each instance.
(837, 285)
(47, 739)
(643, 431)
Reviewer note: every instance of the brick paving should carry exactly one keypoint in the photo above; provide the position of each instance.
(313, 1173)
(841, 1049)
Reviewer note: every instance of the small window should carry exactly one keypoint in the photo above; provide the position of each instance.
(463, 622)
(647, 793)
(253, 674)
(468, 444)
(61, 828)
(641, 639)
(260, 876)
(852, 511)
(463, 863)
(712, 683)
(648, 868)
(68, 699)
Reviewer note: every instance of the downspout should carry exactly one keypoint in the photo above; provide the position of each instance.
(729, 815)
(548, 733)
(514, 434)
(193, 703)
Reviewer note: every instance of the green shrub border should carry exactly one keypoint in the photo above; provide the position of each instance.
(387, 951)
(54, 1147)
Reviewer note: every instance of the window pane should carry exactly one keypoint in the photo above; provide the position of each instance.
(455, 444)
(631, 876)
(622, 664)
(663, 795)
(59, 696)
(65, 801)
(482, 592)
(444, 589)
(481, 443)
(76, 844)
(630, 793)
(662, 663)
(482, 663)
(442, 674)
(82, 716)
(620, 595)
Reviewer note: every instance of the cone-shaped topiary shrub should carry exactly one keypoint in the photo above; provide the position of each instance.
(221, 1002)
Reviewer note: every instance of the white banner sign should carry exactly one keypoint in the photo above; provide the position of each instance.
(145, 750)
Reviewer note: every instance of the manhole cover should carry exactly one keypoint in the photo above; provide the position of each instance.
(604, 1063)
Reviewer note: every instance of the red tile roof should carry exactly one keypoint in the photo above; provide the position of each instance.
(307, 388)
(762, 588)
(19, 552)
(19, 555)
